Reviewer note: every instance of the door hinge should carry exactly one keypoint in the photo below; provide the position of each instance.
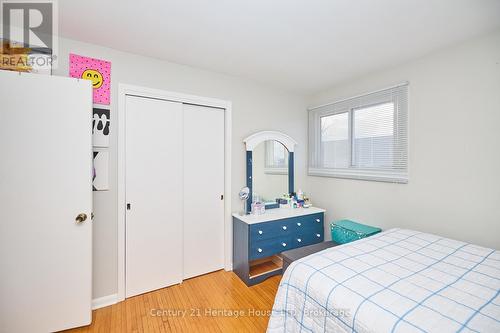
(128, 206)
(222, 196)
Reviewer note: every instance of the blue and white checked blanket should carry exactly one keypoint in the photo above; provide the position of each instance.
(396, 281)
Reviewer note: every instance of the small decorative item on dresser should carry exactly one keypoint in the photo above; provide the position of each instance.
(346, 231)
(258, 208)
(244, 194)
(282, 202)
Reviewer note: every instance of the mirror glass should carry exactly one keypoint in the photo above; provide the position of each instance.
(269, 172)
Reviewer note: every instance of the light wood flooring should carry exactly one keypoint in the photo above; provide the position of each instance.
(215, 302)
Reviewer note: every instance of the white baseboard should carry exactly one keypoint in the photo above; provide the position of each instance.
(101, 302)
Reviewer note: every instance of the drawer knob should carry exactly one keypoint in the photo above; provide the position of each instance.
(284, 244)
(318, 220)
(299, 224)
(260, 232)
(284, 227)
(318, 235)
(299, 240)
(259, 250)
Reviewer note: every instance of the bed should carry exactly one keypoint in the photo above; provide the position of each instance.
(396, 281)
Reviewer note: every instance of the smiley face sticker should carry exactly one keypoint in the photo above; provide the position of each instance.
(94, 76)
(95, 70)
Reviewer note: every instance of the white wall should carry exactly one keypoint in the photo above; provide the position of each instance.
(454, 186)
(255, 108)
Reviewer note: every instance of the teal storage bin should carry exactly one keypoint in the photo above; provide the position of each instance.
(345, 231)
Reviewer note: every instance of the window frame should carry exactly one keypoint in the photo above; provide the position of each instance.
(398, 95)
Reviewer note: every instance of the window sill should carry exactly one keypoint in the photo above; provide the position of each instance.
(370, 175)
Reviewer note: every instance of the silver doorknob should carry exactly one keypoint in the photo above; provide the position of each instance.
(81, 218)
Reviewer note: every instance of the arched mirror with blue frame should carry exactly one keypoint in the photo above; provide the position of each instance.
(270, 167)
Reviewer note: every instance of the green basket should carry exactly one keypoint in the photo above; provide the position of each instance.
(345, 231)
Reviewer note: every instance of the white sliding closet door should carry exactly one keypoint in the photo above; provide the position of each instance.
(203, 190)
(154, 185)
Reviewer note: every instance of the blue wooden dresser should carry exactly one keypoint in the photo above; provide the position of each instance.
(258, 240)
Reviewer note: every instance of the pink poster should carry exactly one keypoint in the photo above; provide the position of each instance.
(95, 70)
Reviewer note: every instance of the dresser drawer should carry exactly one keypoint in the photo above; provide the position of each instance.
(284, 227)
(268, 230)
(314, 221)
(307, 237)
(260, 249)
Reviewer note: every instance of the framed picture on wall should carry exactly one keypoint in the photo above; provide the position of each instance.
(100, 127)
(100, 177)
(96, 70)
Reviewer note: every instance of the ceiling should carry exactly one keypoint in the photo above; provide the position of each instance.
(303, 46)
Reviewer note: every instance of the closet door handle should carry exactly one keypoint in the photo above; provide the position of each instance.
(259, 250)
(80, 218)
(284, 244)
(318, 235)
(299, 224)
(318, 220)
(299, 240)
(260, 232)
(284, 227)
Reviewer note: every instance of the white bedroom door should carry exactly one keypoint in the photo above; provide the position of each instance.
(203, 190)
(45, 202)
(153, 226)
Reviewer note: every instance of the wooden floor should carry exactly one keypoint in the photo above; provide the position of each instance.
(215, 302)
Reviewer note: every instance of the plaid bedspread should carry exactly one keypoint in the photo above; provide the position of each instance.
(396, 281)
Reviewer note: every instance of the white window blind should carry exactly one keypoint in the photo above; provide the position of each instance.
(276, 158)
(364, 137)
(335, 140)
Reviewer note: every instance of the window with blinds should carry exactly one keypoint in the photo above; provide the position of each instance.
(364, 137)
